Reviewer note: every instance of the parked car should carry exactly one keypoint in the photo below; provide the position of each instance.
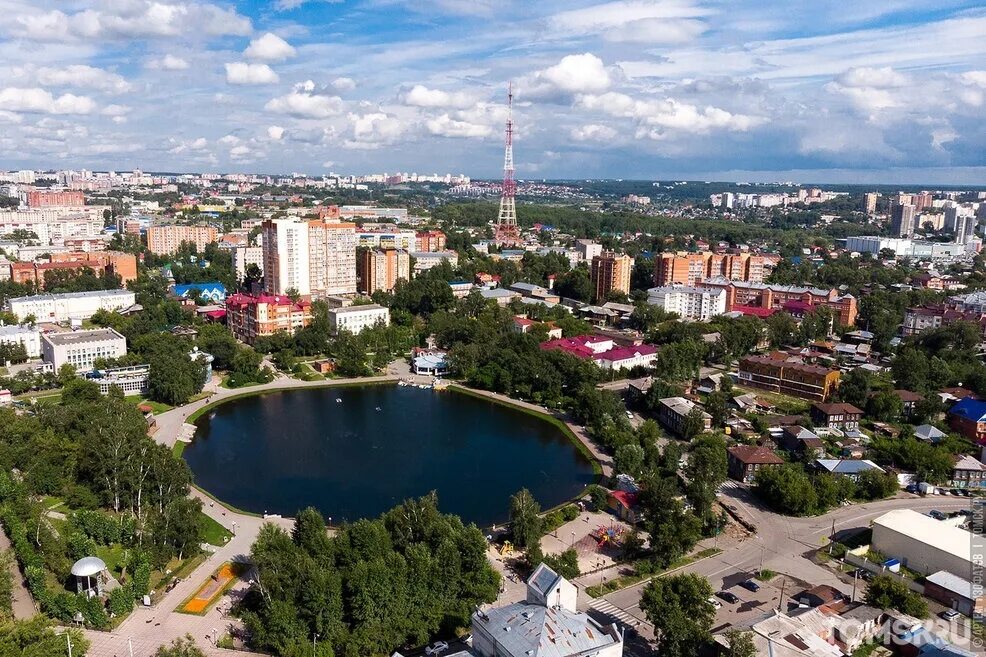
(912, 488)
(436, 648)
(728, 596)
(715, 603)
(949, 614)
(750, 585)
(937, 515)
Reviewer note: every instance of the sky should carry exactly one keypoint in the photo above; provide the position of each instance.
(810, 90)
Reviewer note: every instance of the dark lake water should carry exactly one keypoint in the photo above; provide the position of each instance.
(283, 451)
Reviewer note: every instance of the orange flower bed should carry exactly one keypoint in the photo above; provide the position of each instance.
(210, 591)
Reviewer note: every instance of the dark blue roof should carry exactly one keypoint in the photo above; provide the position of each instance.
(970, 409)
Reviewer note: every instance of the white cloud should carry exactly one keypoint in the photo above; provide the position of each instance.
(667, 21)
(79, 75)
(275, 132)
(657, 31)
(872, 90)
(168, 63)
(574, 74)
(873, 78)
(446, 126)
(132, 19)
(660, 117)
(374, 130)
(40, 101)
(421, 96)
(593, 132)
(303, 104)
(244, 73)
(344, 84)
(115, 110)
(287, 5)
(269, 48)
(197, 145)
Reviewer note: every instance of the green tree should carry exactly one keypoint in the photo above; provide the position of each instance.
(888, 592)
(181, 647)
(854, 388)
(884, 406)
(37, 638)
(678, 607)
(525, 521)
(740, 644)
(694, 424)
(717, 405)
(65, 374)
(629, 459)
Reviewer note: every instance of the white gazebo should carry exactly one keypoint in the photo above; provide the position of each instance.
(88, 573)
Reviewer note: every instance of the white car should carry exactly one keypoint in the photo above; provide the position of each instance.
(436, 648)
(715, 603)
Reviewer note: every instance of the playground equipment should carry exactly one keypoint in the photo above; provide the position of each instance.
(611, 536)
(506, 548)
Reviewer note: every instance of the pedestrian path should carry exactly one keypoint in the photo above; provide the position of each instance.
(606, 607)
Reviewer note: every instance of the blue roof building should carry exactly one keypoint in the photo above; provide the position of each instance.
(214, 292)
(968, 417)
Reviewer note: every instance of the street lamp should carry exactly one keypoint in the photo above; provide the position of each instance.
(573, 539)
(314, 639)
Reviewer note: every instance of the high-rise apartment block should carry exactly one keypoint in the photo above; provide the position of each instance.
(165, 240)
(588, 249)
(430, 240)
(49, 199)
(315, 258)
(380, 269)
(902, 219)
(691, 268)
(610, 272)
(869, 202)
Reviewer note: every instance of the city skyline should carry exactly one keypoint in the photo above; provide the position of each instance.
(677, 89)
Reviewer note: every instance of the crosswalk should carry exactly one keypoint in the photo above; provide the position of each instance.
(609, 609)
(731, 484)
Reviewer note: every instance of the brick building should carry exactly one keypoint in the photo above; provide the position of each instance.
(50, 199)
(741, 294)
(745, 460)
(691, 268)
(430, 240)
(380, 269)
(610, 273)
(165, 240)
(250, 317)
(795, 379)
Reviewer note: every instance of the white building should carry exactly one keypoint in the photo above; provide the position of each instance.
(244, 256)
(133, 380)
(588, 249)
(28, 336)
(286, 260)
(909, 248)
(356, 318)
(697, 303)
(923, 544)
(546, 624)
(81, 348)
(425, 260)
(70, 305)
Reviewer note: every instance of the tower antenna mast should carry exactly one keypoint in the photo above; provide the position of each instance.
(507, 232)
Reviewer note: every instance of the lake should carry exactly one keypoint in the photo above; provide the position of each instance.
(379, 445)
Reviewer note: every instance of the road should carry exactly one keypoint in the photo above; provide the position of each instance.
(782, 543)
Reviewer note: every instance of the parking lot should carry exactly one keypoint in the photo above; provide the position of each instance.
(751, 605)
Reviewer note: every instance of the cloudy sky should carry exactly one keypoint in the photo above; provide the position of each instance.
(872, 90)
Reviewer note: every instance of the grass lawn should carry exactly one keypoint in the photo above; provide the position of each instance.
(115, 557)
(213, 533)
(53, 503)
(785, 404)
(44, 399)
(156, 407)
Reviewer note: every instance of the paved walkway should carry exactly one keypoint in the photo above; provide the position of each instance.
(22, 602)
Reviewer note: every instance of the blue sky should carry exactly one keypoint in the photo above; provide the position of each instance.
(888, 91)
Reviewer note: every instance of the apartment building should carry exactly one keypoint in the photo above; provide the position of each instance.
(250, 317)
(332, 258)
(244, 256)
(165, 240)
(53, 225)
(81, 349)
(673, 414)
(357, 318)
(690, 268)
(314, 257)
(51, 199)
(610, 272)
(390, 239)
(380, 269)
(741, 294)
(795, 379)
(695, 303)
(122, 264)
(425, 260)
(430, 240)
(70, 305)
(588, 249)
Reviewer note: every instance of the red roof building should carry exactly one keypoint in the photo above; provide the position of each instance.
(604, 352)
(250, 317)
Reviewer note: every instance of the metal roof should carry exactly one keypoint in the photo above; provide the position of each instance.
(928, 531)
(82, 337)
(531, 630)
(88, 566)
(953, 583)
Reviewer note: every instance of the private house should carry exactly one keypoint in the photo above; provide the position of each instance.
(746, 460)
(798, 440)
(968, 472)
(909, 400)
(211, 292)
(525, 325)
(841, 416)
(928, 433)
(851, 468)
(673, 413)
(968, 417)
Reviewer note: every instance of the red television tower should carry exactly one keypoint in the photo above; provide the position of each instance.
(507, 233)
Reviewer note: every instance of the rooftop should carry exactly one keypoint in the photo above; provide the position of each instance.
(82, 337)
(751, 454)
(927, 530)
(74, 295)
(531, 630)
(355, 309)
